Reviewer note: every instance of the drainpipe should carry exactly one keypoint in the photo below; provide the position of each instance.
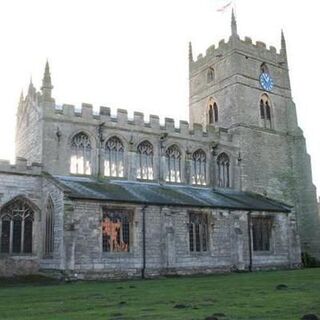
(143, 241)
(249, 240)
(100, 138)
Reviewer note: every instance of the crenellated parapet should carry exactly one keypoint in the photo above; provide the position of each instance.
(246, 46)
(137, 122)
(20, 167)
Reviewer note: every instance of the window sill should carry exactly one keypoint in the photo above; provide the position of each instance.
(263, 252)
(18, 256)
(202, 253)
(117, 254)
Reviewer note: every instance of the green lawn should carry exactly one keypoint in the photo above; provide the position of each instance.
(230, 296)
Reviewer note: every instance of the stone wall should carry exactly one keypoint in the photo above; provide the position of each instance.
(167, 243)
(23, 181)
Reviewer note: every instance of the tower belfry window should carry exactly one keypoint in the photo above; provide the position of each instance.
(213, 112)
(265, 111)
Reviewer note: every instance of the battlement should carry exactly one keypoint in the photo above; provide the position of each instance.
(20, 167)
(87, 115)
(246, 45)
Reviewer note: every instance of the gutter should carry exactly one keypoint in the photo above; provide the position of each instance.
(143, 241)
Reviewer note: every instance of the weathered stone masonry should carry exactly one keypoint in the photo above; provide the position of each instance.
(116, 197)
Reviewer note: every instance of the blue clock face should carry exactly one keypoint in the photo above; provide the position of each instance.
(266, 81)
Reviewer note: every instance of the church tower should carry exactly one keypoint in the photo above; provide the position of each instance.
(244, 88)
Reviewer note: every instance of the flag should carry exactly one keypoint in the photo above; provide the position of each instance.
(224, 7)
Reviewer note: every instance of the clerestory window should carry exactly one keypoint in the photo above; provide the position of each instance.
(114, 158)
(81, 154)
(223, 163)
(16, 227)
(198, 167)
(173, 164)
(145, 161)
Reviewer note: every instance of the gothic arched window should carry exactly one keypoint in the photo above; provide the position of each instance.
(213, 113)
(16, 222)
(198, 168)
(210, 75)
(81, 157)
(265, 111)
(145, 161)
(223, 164)
(114, 158)
(49, 229)
(173, 164)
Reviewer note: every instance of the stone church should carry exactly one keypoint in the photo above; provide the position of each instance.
(97, 196)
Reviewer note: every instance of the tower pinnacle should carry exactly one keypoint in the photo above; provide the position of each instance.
(283, 44)
(234, 31)
(190, 52)
(46, 82)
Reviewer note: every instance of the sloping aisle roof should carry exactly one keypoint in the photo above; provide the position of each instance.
(166, 194)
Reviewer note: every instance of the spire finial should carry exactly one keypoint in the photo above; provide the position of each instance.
(190, 52)
(283, 44)
(234, 30)
(46, 82)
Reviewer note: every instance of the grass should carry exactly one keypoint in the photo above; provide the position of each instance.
(229, 296)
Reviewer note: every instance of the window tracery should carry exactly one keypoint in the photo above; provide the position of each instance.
(198, 169)
(223, 163)
(198, 232)
(114, 158)
(145, 158)
(116, 228)
(16, 222)
(81, 157)
(173, 164)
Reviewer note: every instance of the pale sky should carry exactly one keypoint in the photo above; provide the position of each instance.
(134, 54)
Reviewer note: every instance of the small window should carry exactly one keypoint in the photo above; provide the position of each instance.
(198, 232)
(116, 228)
(173, 164)
(261, 233)
(198, 168)
(81, 158)
(223, 163)
(210, 75)
(145, 161)
(264, 68)
(114, 158)
(16, 232)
